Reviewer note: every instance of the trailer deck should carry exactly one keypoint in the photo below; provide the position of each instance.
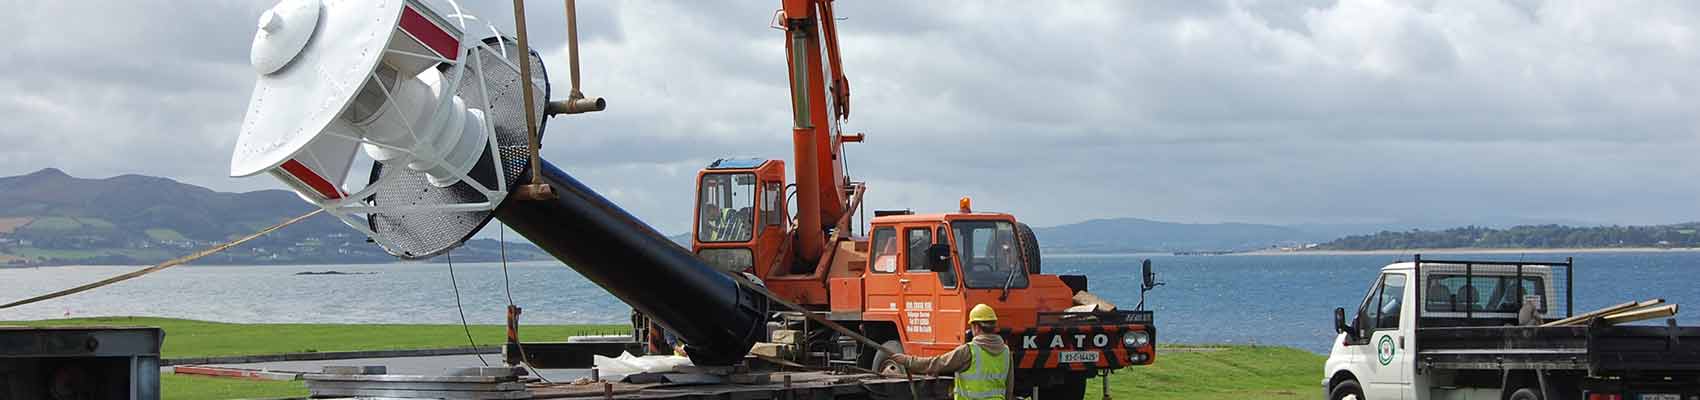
(779, 385)
(505, 383)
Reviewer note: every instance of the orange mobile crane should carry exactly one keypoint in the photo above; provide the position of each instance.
(910, 283)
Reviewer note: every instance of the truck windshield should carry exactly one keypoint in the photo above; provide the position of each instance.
(988, 254)
(1482, 293)
(726, 207)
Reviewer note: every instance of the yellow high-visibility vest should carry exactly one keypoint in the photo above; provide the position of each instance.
(986, 376)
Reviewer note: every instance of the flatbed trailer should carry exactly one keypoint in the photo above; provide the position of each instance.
(800, 385)
(687, 383)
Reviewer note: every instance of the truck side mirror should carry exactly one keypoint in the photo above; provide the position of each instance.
(938, 257)
(1340, 320)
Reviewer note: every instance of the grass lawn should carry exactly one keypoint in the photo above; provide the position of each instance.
(1230, 372)
(189, 338)
(190, 387)
(1182, 372)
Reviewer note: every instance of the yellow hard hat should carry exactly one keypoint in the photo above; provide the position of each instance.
(982, 313)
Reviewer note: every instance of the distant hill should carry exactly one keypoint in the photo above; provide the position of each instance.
(48, 217)
(1338, 230)
(1530, 237)
(1117, 235)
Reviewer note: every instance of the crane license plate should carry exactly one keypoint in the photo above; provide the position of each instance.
(1075, 357)
(1660, 396)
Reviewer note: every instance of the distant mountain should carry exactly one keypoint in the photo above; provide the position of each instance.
(1142, 235)
(49, 217)
(683, 239)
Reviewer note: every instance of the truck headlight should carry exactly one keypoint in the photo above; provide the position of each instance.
(1135, 339)
(734, 260)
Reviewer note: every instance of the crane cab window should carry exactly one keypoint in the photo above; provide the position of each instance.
(987, 254)
(885, 250)
(726, 207)
(919, 240)
(771, 211)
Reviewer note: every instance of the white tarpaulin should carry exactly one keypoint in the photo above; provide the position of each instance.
(626, 364)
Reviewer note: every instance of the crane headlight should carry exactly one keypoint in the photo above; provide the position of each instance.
(1135, 339)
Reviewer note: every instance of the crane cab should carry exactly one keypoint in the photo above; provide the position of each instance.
(740, 215)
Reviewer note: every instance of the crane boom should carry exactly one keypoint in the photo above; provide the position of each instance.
(818, 105)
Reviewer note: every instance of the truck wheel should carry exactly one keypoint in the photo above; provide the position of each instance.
(1029, 246)
(1347, 390)
(884, 355)
(1525, 394)
(1072, 388)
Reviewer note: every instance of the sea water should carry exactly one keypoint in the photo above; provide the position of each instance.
(1284, 300)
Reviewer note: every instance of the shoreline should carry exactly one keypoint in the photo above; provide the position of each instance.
(1472, 250)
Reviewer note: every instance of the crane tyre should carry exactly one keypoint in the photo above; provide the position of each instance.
(886, 349)
(1346, 390)
(1525, 394)
(1029, 247)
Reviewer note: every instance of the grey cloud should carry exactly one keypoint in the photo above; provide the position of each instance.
(1261, 111)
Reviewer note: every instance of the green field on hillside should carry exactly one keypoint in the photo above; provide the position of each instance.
(164, 234)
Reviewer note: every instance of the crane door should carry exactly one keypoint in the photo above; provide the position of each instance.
(932, 306)
(883, 285)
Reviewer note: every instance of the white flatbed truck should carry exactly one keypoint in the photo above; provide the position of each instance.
(1466, 340)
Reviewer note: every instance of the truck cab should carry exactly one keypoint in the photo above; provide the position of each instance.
(1429, 329)
(924, 271)
(1373, 347)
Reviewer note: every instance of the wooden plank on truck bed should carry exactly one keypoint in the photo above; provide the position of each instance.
(1584, 317)
(1640, 314)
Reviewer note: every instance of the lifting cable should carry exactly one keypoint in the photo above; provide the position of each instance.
(450, 256)
(167, 264)
(502, 243)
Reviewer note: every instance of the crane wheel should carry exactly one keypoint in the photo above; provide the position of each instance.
(884, 355)
(1525, 394)
(1029, 247)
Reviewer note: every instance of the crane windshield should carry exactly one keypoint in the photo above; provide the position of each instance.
(988, 254)
(726, 207)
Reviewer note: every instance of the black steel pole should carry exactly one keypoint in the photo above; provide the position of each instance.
(718, 320)
(1569, 271)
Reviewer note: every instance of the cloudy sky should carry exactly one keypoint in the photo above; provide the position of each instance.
(1194, 111)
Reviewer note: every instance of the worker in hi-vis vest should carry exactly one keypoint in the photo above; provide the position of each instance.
(982, 366)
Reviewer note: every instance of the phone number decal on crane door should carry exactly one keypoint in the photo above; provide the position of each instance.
(920, 320)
